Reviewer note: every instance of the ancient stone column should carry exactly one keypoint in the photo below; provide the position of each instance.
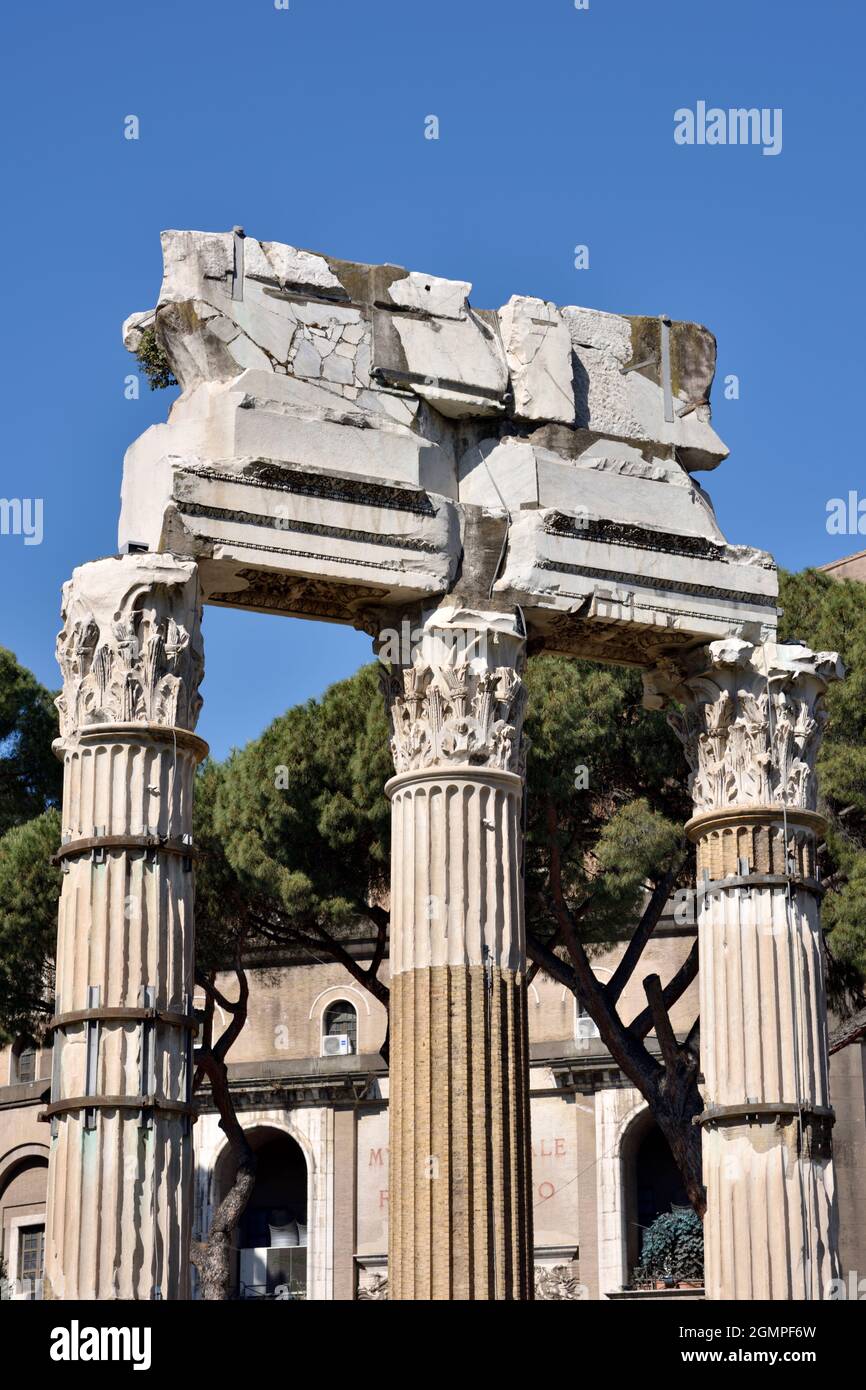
(120, 1168)
(751, 720)
(460, 1203)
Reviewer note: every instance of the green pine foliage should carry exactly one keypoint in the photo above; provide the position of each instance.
(830, 615)
(301, 812)
(31, 777)
(29, 889)
(31, 781)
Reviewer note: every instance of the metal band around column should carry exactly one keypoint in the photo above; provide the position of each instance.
(153, 844)
(122, 1015)
(173, 1107)
(731, 1113)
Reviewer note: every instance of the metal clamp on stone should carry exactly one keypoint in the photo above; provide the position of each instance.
(153, 844)
(722, 1114)
(169, 1107)
(712, 887)
(123, 1015)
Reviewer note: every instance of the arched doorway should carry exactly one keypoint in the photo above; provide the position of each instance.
(23, 1184)
(271, 1237)
(651, 1182)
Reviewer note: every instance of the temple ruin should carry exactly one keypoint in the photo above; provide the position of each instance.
(359, 444)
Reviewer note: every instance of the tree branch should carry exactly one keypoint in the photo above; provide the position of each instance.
(627, 1051)
(645, 928)
(382, 919)
(661, 1021)
(543, 958)
(673, 990)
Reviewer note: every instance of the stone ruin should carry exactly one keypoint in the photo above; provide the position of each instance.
(352, 438)
(359, 444)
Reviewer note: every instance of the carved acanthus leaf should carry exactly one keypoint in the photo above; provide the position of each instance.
(130, 648)
(750, 719)
(558, 1283)
(456, 715)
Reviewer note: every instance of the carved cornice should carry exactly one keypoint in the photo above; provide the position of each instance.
(283, 477)
(660, 582)
(130, 647)
(452, 706)
(750, 719)
(292, 593)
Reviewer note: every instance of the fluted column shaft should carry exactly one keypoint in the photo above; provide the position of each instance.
(460, 1207)
(751, 724)
(120, 1167)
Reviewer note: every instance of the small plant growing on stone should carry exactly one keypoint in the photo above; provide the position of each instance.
(673, 1249)
(154, 362)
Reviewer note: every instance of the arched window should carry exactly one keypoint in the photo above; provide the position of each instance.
(23, 1061)
(23, 1187)
(339, 1021)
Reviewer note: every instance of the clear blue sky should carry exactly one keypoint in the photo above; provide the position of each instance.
(306, 125)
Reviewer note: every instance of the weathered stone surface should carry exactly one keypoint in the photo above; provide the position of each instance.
(539, 356)
(456, 364)
(750, 718)
(346, 384)
(628, 404)
(460, 1210)
(121, 1168)
(431, 295)
(130, 649)
(752, 721)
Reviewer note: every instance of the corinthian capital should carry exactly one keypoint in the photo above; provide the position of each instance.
(130, 646)
(750, 719)
(455, 694)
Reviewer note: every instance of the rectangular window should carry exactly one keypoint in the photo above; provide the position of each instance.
(27, 1064)
(31, 1256)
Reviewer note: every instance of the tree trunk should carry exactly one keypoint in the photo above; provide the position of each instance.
(670, 1088)
(212, 1258)
(676, 1104)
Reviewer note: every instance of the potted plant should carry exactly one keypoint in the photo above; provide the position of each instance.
(672, 1253)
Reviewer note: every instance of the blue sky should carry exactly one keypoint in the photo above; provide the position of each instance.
(306, 125)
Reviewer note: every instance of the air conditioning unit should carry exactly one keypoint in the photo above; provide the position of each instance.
(585, 1028)
(336, 1045)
